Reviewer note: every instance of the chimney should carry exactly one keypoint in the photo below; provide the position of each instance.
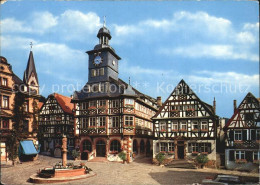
(235, 105)
(159, 101)
(214, 105)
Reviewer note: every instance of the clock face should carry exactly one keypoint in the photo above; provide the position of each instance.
(97, 60)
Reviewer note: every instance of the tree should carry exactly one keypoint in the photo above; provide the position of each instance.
(18, 132)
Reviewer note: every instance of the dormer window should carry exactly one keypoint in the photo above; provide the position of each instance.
(32, 83)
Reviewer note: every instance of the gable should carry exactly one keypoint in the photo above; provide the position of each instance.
(183, 102)
(247, 115)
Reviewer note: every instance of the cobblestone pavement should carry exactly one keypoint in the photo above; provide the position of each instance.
(139, 172)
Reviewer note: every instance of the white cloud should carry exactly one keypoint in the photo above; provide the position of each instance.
(11, 25)
(43, 21)
(211, 51)
(250, 26)
(77, 25)
(16, 42)
(246, 37)
(229, 77)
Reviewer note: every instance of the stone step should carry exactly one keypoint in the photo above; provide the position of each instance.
(181, 164)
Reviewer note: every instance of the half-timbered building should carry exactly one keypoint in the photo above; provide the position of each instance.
(111, 116)
(243, 135)
(10, 87)
(56, 118)
(185, 126)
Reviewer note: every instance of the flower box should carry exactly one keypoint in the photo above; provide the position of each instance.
(113, 152)
(129, 106)
(238, 141)
(194, 153)
(241, 161)
(195, 130)
(163, 130)
(256, 161)
(174, 130)
(204, 153)
(183, 130)
(204, 130)
(129, 127)
(174, 110)
(171, 153)
(190, 110)
(91, 108)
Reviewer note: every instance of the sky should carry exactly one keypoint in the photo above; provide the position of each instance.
(212, 45)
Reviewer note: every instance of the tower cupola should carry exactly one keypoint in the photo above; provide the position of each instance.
(104, 35)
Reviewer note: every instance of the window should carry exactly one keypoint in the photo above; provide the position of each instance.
(4, 82)
(26, 106)
(238, 135)
(257, 134)
(115, 121)
(102, 121)
(163, 126)
(249, 116)
(102, 103)
(204, 125)
(129, 120)
(204, 147)
(175, 126)
(239, 155)
(163, 147)
(115, 104)
(92, 122)
(195, 125)
(84, 123)
(87, 146)
(25, 125)
(256, 155)
(195, 147)
(5, 102)
(92, 103)
(171, 147)
(129, 101)
(115, 146)
(93, 73)
(84, 106)
(101, 71)
(5, 123)
(183, 126)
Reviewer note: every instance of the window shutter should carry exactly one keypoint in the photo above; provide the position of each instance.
(231, 155)
(253, 135)
(209, 147)
(231, 135)
(189, 148)
(244, 135)
(249, 156)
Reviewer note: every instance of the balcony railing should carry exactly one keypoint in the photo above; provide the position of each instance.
(93, 131)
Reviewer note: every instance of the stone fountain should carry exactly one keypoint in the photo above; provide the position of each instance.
(62, 172)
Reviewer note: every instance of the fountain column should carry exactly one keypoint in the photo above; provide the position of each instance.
(64, 151)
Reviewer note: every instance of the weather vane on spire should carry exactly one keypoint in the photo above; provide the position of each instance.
(104, 21)
(31, 44)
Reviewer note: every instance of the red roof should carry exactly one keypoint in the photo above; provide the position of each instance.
(40, 104)
(64, 102)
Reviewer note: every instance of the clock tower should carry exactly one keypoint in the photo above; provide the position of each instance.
(103, 60)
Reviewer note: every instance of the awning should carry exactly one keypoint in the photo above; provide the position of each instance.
(28, 147)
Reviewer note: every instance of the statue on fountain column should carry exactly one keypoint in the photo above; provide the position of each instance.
(64, 151)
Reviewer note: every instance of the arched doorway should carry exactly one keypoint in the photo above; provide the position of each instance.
(87, 148)
(101, 148)
(142, 149)
(115, 146)
(148, 148)
(135, 147)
